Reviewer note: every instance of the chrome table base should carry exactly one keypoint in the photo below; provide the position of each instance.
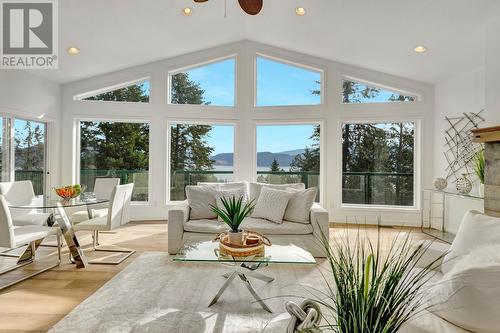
(243, 272)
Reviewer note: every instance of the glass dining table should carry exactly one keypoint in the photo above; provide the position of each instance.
(57, 206)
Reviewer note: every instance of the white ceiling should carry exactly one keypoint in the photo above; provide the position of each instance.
(379, 35)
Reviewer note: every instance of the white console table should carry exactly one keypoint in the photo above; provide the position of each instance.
(436, 211)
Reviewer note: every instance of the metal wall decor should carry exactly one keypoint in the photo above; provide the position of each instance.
(459, 150)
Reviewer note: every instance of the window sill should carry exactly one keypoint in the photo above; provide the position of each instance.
(408, 209)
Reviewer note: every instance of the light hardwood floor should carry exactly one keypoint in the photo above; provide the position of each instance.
(37, 304)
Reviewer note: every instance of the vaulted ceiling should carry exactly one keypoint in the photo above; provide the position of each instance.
(379, 35)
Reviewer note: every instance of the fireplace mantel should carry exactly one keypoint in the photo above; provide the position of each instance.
(487, 134)
(490, 136)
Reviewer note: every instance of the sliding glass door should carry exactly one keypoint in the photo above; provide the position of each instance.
(30, 153)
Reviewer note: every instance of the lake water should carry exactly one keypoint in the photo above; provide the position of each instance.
(230, 168)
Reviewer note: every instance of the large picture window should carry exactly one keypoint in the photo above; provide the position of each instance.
(29, 153)
(115, 149)
(281, 84)
(378, 164)
(199, 153)
(210, 84)
(288, 154)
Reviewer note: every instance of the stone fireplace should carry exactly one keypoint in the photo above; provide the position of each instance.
(490, 136)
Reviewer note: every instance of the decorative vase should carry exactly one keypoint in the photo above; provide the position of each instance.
(235, 237)
(463, 184)
(440, 183)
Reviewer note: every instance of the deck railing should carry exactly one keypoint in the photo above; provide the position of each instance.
(371, 188)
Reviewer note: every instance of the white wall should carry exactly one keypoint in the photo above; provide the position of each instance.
(468, 91)
(462, 93)
(28, 96)
(331, 114)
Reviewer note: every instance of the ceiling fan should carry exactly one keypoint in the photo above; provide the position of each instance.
(251, 7)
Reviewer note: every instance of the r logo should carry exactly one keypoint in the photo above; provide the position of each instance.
(27, 28)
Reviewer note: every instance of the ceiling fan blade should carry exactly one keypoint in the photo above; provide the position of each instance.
(200, 0)
(251, 7)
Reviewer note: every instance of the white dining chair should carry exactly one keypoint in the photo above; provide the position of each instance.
(20, 193)
(118, 215)
(103, 187)
(13, 237)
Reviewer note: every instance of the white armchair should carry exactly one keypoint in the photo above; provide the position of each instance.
(22, 193)
(12, 237)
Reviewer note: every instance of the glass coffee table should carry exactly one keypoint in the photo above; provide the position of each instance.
(207, 251)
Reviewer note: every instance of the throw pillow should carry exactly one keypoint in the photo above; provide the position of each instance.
(476, 229)
(469, 294)
(299, 206)
(199, 199)
(271, 204)
(255, 188)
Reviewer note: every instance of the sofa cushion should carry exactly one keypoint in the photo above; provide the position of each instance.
(228, 186)
(469, 294)
(268, 228)
(299, 207)
(271, 204)
(200, 199)
(427, 322)
(476, 229)
(469, 298)
(213, 226)
(255, 188)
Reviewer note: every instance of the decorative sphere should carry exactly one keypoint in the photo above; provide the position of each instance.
(440, 183)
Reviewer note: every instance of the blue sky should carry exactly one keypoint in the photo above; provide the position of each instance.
(217, 79)
(273, 138)
(282, 84)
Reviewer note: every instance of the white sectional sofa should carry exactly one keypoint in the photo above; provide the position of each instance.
(181, 226)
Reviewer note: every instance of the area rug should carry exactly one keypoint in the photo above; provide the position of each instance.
(154, 294)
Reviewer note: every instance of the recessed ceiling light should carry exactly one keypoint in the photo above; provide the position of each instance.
(301, 11)
(187, 11)
(73, 50)
(420, 49)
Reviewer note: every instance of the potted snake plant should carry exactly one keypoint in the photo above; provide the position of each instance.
(233, 213)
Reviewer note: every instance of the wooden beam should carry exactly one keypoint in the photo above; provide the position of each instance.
(487, 134)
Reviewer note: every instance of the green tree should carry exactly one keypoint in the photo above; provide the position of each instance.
(134, 93)
(275, 166)
(30, 147)
(309, 160)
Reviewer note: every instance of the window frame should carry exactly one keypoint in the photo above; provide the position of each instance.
(322, 150)
(208, 122)
(78, 120)
(355, 79)
(81, 97)
(197, 65)
(293, 64)
(417, 166)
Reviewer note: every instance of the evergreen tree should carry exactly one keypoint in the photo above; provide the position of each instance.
(309, 160)
(30, 147)
(134, 93)
(275, 166)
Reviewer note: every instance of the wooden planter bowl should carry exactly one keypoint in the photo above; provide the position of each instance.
(253, 244)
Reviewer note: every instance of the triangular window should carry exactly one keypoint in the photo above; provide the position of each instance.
(208, 84)
(284, 84)
(134, 92)
(360, 92)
